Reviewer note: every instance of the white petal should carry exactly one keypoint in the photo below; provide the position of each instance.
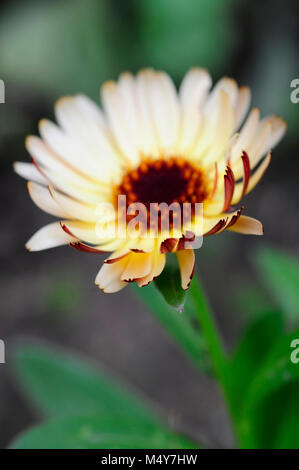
(226, 84)
(246, 135)
(219, 126)
(150, 135)
(87, 232)
(74, 208)
(41, 196)
(258, 147)
(278, 129)
(253, 181)
(115, 286)
(49, 236)
(29, 172)
(121, 124)
(65, 177)
(242, 105)
(47, 158)
(108, 278)
(84, 158)
(194, 88)
(165, 109)
(84, 121)
(193, 91)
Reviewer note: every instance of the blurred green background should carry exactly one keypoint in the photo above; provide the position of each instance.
(51, 48)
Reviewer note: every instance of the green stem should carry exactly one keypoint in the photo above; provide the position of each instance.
(209, 329)
(210, 332)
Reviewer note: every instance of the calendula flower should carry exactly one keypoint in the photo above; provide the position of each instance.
(149, 145)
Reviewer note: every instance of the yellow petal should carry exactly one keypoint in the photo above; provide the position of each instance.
(138, 266)
(158, 263)
(186, 260)
(248, 226)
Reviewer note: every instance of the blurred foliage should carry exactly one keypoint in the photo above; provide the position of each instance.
(182, 327)
(270, 401)
(64, 47)
(82, 388)
(260, 370)
(271, 73)
(264, 381)
(63, 296)
(70, 46)
(281, 276)
(176, 35)
(250, 299)
(89, 409)
(100, 432)
(60, 47)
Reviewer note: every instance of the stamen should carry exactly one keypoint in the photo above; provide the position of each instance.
(163, 181)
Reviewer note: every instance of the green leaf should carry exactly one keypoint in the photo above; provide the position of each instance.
(169, 284)
(250, 299)
(262, 333)
(60, 384)
(269, 387)
(281, 274)
(178, 325)
(275, 371)
(98, 432)
(287, 436)
(274, 421)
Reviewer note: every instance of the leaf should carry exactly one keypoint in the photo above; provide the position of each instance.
(60, 384)
(96, 432)
(281, 274)
(262, 333)
(250, 299)
(177, 324)
(169, 284)
(287, 436)
(274, 421)
(275, 374)
(275, 371)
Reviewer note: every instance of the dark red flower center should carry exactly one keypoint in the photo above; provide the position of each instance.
(172, 180)
(163, 181)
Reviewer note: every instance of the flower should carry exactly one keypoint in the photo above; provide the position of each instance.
(150, 145)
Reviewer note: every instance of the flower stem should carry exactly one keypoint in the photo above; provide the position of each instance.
(220, 360)
(210, 332)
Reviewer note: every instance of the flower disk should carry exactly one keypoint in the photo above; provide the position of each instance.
(170, 180)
